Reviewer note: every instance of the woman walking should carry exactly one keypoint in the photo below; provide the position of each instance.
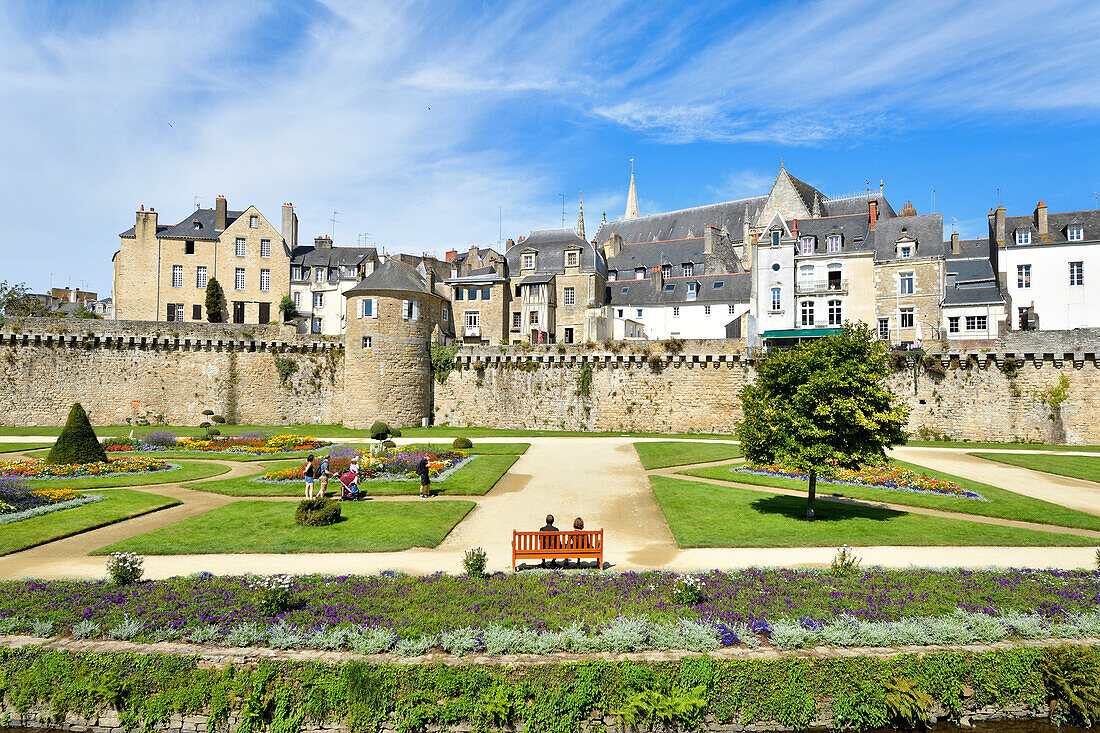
(425, 479)
(307, 473)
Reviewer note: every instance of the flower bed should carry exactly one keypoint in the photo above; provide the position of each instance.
(37, 468)
(17, 496)
(80, 500)
(250, 443)
(891, 478)
(391, 464)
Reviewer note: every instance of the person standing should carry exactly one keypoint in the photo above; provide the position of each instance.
(322, 477)
(308, 473)
(425, 479)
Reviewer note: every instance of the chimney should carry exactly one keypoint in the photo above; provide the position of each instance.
(450, 255)
(1041, 221)
(997, 225)
(951, 280)
(658, 279)
(612, 246)
(474, 258)
(956, 248)
(429, 280)
(290, 225)
(322, 242)
(709, 234)
(145, 224)
(872, 212)
(220, 214)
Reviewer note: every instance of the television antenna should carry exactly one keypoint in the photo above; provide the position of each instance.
(562, 210)
(198, 202)
(933, 210)
(335, 214)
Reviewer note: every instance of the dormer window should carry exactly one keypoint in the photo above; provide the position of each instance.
(1023, 237)
(529, 261)
(905, 251)
(693, 291)
(905, 247)
(571, 258)
(833, 243)
(775, 238)
(689, 269)
(806, 246)
(639, 273)
(198, 224)
(666, 270)
(612, 275)
(1075, 233)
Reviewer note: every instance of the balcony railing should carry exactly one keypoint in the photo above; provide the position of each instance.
(805, 287)
(472, 331)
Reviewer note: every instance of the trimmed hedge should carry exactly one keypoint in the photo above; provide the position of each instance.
(320, 512)
(546, 698)
(77, 442)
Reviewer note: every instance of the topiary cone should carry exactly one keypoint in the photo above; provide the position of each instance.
(77, 442)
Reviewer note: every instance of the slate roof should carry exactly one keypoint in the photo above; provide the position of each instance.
(673, 252)
(858, 205)
(805, 191)
(186, 228)
(975, 282)
(679, 224)
(732, 288)
(310, 256)
(536, 279)
(480, 275)
(551, 245)
(968, 247)
(926, 229)
(392, 275)
(1056, 224)
(465, 255)
(852, 229)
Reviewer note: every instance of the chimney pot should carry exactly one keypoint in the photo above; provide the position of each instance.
(220, 213)
(1041, 220)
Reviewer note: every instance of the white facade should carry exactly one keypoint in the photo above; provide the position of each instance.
(1058, 280)
(965, 322)
(773, 287)
(688, 320)
(321, 305)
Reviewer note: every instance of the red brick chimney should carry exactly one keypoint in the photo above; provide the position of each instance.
(450, 255)
(872, 212)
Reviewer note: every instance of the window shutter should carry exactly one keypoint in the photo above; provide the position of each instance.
(171, 312)
(359, 309)
(416, 310)
(405, 309)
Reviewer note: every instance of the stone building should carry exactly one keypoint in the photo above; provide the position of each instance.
(161, 272)
(910, 271)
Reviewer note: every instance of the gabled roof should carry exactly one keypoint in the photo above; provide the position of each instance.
(392, 275)
(654, 254)
(926, 229)
(551, 245)
(310, 256)
(683, 223)
(186, 228)
(858, 205)
(852, 229)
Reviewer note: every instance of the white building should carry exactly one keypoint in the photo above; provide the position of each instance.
(973, 308)
(1045, 262)
(686, 307)
(319, 277)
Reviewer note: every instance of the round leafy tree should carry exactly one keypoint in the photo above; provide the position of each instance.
(380, 431)
(77, 442)
(822, 405)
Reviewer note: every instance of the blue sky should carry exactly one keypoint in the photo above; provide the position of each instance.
(416, 121)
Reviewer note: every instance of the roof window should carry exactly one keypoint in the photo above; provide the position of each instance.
(670, 287)
(719, 284)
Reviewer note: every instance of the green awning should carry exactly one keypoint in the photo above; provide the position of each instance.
(800, 333)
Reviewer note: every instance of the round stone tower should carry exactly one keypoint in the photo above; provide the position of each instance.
(387, 361)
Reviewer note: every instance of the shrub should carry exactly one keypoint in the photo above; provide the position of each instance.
(77, 442)
(212, 432)
(461, 641)
(273, 592)
(933, 366)
(204, 634)
(395, 432)
(282, 636)
(127, 628)
(330, 639)
(413, 647)
(687, 590)
(373, 641)
(1071, 676)
(656, 363)
(319, 512)
(462, 443)
(86, 629)
(208, 412)
(474, 561)
(125, 568)
(380, 431)
(906, 705)
(845, 563)
(388, 444)
(43, 629)
(204, 424)
(244, 635)
(218, 419)
(160, 437)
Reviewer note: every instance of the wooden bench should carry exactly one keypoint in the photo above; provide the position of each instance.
(566, 545)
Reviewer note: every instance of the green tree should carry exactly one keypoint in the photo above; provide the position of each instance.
(77, 442)
(16, 300)
(286, 306)
(84, 312)
(822, 405)
(215, 301)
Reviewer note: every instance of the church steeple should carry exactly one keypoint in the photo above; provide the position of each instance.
(632, 211)
(580, 215)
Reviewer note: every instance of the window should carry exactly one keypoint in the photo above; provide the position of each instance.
(366, 308)
(639, 312)
(296, 273)
(775, 238)
(833, 243)
(569, 296)
(189, 247)
(612, 275)
(836, 317)
(240, 246)
(319, 274)
(254, 222)
(807, 313)
(807, 246)
(198, 224)
(486, 292)
(265, 248)
(806, 277)
(516, 321)
(670, 287)
(776, 302)
(297, 300)
(446, 315)
(905, 283)
(318, 300)
(366, 342)
(238, 281)
(265, 280)
(952, 324)
(884, 329)
(177, 276)
(534, 318)
(639, 273)
(975, 323)
(675, 311)
(458, 293)
(706, 310)
(410, 310)
(719, 284)
(666, 270)
(1077, 273)
(905, 251)
(471, 293)
(835, 273)
(196, 313)
(906, 317)
(179, 311)
(689, 269)
(528, 261)
(316, 325)
(473, 319)
(570, 259)
(692, 291)
(732, 308)
(1023, 237)
(1075, 233)
(1023, 276)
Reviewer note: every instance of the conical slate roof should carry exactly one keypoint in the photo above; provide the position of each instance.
(392, 275)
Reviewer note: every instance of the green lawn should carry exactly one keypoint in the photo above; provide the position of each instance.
(473, 479)
(702, 515)
(1013, 446)
(117, 506)
(1002, 503)
(188, 471)
(1083, 467)
(269, 527)
(479, 449)
(671, 453)
(22, 447)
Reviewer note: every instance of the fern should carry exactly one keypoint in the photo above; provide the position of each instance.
(905, 704)
(1072, 679)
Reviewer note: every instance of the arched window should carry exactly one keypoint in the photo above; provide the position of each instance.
(806, 277)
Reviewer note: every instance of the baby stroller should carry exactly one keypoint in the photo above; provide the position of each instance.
(349, 486)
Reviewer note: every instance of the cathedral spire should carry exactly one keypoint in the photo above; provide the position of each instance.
(632, 197)
(580, 215)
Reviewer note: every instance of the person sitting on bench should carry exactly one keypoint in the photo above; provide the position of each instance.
(549, 543)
